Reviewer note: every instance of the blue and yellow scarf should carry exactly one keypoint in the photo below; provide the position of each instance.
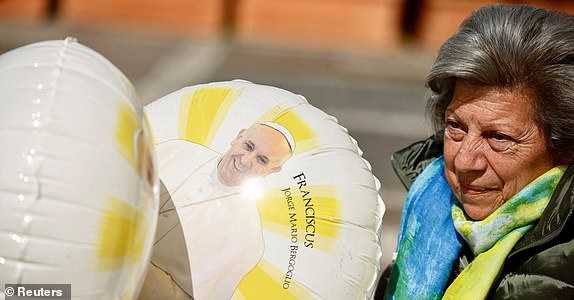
(434, 226)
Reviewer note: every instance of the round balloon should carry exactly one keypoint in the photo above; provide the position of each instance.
(273, 196)
(78, 199)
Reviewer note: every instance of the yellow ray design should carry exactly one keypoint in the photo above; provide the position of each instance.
(265, 282)
(127, 124)
(122, 235)
(272, 113)
(316, 216)
(305, 137)
(202, 112)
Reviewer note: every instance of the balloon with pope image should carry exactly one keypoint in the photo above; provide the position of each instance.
(307, 223)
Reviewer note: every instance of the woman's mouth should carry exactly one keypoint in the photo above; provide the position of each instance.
(473, 189)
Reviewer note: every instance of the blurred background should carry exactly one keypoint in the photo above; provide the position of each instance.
(361, 61)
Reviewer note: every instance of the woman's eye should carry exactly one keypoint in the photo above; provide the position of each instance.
(500, 141)
(499, 136)
(452, 124)
(454, 130)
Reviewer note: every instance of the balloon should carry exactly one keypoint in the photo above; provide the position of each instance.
(78, 189)
(320, 216)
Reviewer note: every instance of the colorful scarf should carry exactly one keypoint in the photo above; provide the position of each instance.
(433, 228)
(492, 239)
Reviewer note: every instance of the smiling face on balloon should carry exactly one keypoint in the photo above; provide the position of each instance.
(256, 152)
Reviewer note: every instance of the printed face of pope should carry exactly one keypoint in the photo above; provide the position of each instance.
(256, 152)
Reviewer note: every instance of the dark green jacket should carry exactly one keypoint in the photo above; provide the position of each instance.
(541, 265)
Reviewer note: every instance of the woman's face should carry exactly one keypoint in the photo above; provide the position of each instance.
(492, 147)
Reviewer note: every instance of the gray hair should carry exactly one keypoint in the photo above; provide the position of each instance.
(512, 47)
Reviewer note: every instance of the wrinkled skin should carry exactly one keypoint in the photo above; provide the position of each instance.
(492, 146)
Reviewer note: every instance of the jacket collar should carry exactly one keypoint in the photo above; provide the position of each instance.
(555, 216)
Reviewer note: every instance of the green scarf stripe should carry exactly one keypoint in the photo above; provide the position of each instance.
(493, 238)
(523, 208)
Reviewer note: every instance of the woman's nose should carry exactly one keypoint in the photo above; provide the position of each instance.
(470, 155)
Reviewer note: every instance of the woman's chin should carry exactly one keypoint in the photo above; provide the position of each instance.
(475, 212)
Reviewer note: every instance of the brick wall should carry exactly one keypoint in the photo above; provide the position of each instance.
(365, 25)
(201, 17)
(359, 24)
(24, 10)
(440, 18)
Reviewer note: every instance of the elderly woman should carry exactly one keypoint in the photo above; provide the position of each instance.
(490, 214)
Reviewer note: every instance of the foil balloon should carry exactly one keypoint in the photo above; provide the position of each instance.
(78, 186)
(307, 230)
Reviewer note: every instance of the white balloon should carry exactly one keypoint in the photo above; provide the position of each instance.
(321, 215)
(78, 189)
